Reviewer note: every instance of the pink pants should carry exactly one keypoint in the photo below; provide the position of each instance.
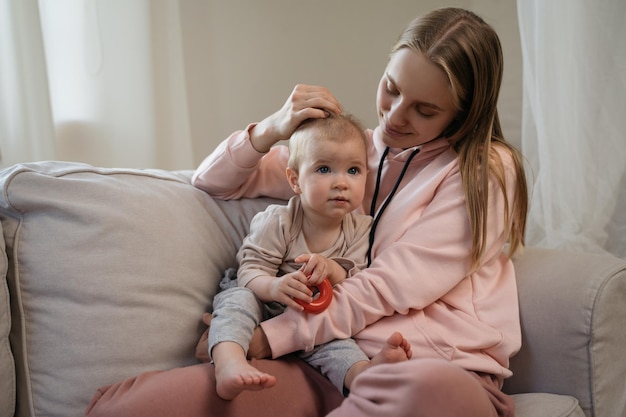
(433, 388)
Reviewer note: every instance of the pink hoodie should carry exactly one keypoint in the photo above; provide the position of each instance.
(419, 282)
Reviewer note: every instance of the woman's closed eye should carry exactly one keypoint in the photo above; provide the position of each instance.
(426, 114)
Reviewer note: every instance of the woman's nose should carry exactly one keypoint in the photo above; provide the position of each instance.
(396, 114)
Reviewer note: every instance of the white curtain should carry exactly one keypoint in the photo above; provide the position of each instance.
(26, 127)
(574, 122)
(115, 73)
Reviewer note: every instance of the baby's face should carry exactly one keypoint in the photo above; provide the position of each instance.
(332, 176)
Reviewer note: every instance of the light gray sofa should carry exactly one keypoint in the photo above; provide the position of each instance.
(108, 272)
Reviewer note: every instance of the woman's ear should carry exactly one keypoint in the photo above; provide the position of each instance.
(292, 177)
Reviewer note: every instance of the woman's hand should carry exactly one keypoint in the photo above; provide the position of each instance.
(304, 102)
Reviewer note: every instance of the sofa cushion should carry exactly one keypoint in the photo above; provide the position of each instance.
(572, 313)
(7, 366)
(107, 266)
(546, 405)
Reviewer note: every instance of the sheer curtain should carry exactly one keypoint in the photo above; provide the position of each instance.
(574, 122)
(101, 82)
(26, 126)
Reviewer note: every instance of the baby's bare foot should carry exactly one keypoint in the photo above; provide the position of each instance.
(396, 349)
(233, 377)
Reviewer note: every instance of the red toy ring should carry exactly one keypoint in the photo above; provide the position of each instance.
(322, 301)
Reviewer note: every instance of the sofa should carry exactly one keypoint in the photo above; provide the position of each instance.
(108, 273)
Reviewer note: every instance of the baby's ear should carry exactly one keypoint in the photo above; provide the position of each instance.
(292, 177)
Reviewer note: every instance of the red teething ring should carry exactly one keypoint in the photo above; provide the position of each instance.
(322, 301)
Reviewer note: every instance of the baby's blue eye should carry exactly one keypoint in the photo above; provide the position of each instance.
(353, 171)
(323, 170)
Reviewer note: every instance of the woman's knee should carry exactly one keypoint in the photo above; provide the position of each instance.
(425, 387)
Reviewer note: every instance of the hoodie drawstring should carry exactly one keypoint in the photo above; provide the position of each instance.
(387, 200)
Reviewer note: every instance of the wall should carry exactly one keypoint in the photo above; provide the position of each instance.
(243, 57)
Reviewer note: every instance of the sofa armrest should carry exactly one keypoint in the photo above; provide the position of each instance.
(573, 315)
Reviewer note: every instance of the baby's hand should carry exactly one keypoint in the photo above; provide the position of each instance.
(293, 285)
(316, 267)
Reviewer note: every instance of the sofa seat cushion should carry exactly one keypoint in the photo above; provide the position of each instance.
(107, 266)
(546, 405)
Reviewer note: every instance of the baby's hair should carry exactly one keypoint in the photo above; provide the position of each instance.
(335, 127)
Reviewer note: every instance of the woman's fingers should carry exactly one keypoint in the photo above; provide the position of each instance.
(310, 99)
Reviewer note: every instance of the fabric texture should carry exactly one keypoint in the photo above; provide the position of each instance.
(399, 389)
(91, 248)
(573, 124)
(583, 295)
(300, 391)
(238, 311)
(276, 240)
(7, 365)
(547, 405)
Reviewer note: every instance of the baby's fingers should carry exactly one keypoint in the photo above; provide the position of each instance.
(303, 296)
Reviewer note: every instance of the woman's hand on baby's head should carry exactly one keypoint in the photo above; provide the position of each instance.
(304, 102)
(289, 286)
(311, 101)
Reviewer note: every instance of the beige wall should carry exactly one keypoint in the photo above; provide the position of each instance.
(244, 56)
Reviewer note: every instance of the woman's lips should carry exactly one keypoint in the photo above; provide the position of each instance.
(393, 133)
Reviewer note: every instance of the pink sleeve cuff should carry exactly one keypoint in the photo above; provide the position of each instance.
(284, 335)
(242, 153)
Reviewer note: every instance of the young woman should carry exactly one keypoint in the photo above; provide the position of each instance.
(449, 201)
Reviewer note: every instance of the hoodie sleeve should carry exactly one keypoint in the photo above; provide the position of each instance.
(427, 257)
(263, 249)
(236, 170)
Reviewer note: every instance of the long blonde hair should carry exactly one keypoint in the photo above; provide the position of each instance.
(468, 50)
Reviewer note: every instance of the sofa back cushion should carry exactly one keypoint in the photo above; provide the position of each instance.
(109, 272)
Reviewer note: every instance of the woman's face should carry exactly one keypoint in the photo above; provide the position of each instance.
(414, 100)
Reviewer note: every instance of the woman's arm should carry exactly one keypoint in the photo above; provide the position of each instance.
(247, 164)
(430, 257)
(236, 170)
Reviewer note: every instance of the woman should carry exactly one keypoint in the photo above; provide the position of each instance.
(447, 194)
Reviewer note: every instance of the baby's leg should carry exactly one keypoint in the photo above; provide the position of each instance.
(334, 359)
(236, 312)
(234, 374)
